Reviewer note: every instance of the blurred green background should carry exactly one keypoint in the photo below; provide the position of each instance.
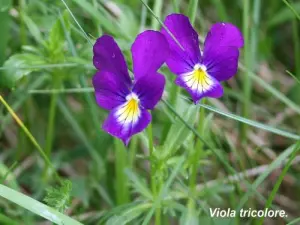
(249, 156)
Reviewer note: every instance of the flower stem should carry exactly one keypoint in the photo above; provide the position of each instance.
(192, 10)
(247, 59)
(122, 191)
(196, 154)
(51, 119)
(155, 189)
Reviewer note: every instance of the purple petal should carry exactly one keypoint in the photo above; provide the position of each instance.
(181, 60)
(110, 92)
(123, 123)
(223, 34)
(149, 89)
(149, 52)
(108, 57)
(222, 62)
(199, 88)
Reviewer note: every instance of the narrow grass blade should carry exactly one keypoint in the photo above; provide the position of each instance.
(292, 75)
(280, 179)
(78, 24)
(157, 11)
(175, 6)
(292, 8)
(253, 123)
(247, 84)
(280, 96)
(192, 10)
(274, 165)
(36, 207)
(30, 136)
(295, 221)
(77, 129)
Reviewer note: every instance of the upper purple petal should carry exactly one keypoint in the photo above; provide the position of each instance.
(149, 89)
(125, 129)
(181, 60)
(110, 91)
(221, 62)
(149, 52)
(108, 57)
(223, 34)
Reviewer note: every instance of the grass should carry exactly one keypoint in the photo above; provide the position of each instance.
(240, 152)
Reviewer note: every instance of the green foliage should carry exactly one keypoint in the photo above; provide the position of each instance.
(48, 73)
(57, 37)
(18, 66)
(59, 198)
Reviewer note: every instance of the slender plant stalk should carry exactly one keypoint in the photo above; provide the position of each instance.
(157, 10)
(155, 188)
(51, 119)
(196, 153)
(280, 179)
(121, 161)
(247, 81)
(192, 10)
(30, 136)
(175, 6)
(132, 151)
(296, 46)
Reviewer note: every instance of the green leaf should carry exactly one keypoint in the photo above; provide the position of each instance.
(5, 5)
(138, 184)
(98, 16)
(36, 207)
(284, 15)
(57, 34)
(32, 27)
(59, 198)
(18, 66)
(178, 132)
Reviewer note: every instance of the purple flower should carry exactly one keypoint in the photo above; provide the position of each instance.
(129, 101)
(200, 73)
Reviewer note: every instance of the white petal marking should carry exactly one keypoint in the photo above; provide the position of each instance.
(129, 113)
(198, 80)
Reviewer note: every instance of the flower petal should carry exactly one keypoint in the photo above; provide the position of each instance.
(221, 62)
(181, 60)
(110, 92)
(125, 123)
(108, 57)
(198, 88)
(149, 52)
(149, 89)
(223, 34)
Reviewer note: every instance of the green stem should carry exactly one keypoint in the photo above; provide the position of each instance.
(175, 6)
(132, 151)
(296, 46)
(155, 188)
(247, 81)
(51, 118)
(192, 10)
(22, 23)
(196, 154)
(280, 179)
(122, 191)
(157, 10)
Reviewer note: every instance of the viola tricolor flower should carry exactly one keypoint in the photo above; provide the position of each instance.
(127, 100)
(200, 73)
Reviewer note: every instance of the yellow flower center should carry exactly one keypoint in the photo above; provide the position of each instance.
(129, 112)
(200, 76)
(198, 80)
